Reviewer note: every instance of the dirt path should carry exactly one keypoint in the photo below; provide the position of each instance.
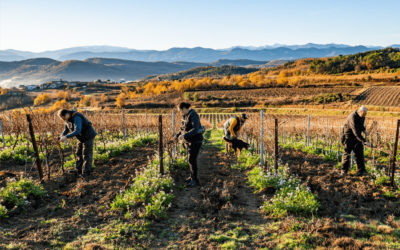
(221, 202)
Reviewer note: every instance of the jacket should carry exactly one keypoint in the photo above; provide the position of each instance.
(233, 124)
(80, 126)
(191, 128)
(354, 126)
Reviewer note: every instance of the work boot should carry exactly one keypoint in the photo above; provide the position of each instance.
(75, 172)
(85, 174)
(188, 180)
(343, 173)
(362, 173)
(193, 183)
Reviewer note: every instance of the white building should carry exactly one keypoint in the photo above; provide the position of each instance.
(31, 87)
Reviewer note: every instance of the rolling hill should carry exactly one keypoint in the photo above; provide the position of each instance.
(261, 53)
(209, 55)
(37, 71)
(200, 72)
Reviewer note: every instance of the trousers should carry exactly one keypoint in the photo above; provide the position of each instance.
(193, 150)
(352, 144)
(84, 155)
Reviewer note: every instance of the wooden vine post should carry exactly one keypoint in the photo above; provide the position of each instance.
(160, 144)
(173, 133)
(395, 153)
(147, 127)
(276, 148)
(262, 137)
(38, 164)
(2, 134)
(308, 131)
(123, 123)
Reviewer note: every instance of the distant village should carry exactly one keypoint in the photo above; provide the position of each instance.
(62, 84)
(23, 89)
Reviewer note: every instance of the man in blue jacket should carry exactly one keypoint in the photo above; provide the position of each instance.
(77, 125)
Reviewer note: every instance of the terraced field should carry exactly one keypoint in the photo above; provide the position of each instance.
(273, 92)
(380, 96)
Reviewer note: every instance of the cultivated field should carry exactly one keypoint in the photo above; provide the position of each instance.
(273, 92)
(293, 198)
(380, 96)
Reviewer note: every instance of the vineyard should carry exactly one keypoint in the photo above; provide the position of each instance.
(284, 192)
(274, 92)
(380, 96)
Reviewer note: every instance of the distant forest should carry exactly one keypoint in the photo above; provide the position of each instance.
(388, 58)
(207, 71)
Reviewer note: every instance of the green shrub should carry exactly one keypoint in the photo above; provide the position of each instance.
(186, 96)
(294, 199)
(182, 163)
(16, 194)
(3, 212)
(290, 195)
(149, 189)
(195, 97)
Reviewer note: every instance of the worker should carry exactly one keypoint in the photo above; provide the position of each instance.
(192, 138)
(77, 125)
(353, 141)
(232, 127)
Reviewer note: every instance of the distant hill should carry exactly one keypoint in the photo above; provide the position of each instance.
(237, 62)
(56, 54)
(40, 70)
(210, 55)
(200, 72)
(261, 53)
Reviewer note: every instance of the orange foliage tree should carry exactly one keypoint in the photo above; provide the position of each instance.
(60, 95)
(121, 100)
(41, 99)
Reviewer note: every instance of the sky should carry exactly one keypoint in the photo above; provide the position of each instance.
(41, 25)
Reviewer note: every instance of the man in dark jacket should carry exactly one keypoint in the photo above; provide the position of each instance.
(354, 141)
(77, 125)
(192, 138)
(232, 127)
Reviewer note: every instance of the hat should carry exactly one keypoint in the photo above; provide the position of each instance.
(243, 116)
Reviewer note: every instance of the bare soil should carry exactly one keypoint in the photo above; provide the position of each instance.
(222, 203)
(82, 195)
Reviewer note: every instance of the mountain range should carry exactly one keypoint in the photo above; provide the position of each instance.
(198, 54)
(40, 70)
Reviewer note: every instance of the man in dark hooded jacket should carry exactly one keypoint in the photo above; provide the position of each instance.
(77, 125)
(192, 138)
(354, 141)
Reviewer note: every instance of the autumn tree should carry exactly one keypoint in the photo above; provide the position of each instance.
(103, 98)
(60, 95)
(41, 99)
(63, 104)
(85, 101)
(121, 100)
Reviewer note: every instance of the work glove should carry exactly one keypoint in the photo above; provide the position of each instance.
(63, 138)
(367, 144)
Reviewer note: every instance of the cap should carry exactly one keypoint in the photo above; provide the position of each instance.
(243, 116)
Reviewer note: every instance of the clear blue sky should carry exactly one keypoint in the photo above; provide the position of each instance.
(38, 25)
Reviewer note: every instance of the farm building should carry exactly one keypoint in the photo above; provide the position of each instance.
(31, 87)
(16, 92)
